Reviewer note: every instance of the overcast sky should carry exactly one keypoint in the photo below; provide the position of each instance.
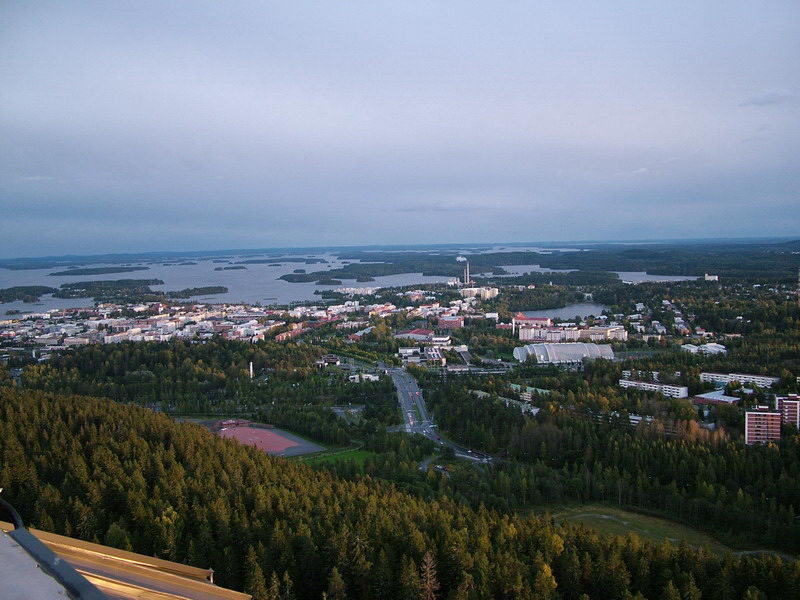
(225, 124)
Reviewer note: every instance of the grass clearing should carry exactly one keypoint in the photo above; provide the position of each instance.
(622, 522)
(356, 454)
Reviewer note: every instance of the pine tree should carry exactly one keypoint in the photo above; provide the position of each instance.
(117, 537)
(274, 589)
(670, 592)
(336, 586)
(410, 585)
(428, 583)
(382, 577)
(544, 586)
(288, 587)
(689, 589)
(254, 582)
(753, 593)
(568, 568)
(465, 586)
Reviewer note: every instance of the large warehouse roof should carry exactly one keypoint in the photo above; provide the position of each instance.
(562, 353)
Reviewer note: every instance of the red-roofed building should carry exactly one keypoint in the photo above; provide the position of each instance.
(521, 320)
(451, 322)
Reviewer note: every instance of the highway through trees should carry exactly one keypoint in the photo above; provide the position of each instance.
(417, 419)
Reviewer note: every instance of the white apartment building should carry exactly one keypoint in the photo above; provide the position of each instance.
(547, 334)
(646, 375)
(726, 378)
(671, 391)
(573, 334)
(789, 407)
(611, 332)
(484, 293)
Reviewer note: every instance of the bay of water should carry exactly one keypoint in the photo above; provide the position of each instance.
(631, 276)
(515, 270)
(641, 276)
(258, 283)
(570, 311)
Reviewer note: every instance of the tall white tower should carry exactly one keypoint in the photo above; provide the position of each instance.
(466, 268)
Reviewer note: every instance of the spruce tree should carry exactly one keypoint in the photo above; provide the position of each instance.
(254, 582)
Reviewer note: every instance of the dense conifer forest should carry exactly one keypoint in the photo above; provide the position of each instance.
(132, 478)
(742, 493)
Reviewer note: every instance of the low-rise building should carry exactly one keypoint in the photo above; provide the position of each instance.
(427, 354)
(526, 393)
(417, 335)
(715, 397)
(442, 340)
(329, 360)
(522, 320)
(451, 322)
(713, 348)
(665, 389)
(763, 381)
(710, 348)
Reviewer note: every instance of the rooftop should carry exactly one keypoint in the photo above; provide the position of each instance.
(116, 573)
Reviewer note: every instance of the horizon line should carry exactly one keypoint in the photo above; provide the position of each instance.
(778, 238)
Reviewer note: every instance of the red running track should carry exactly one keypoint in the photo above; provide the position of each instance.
(263, 439)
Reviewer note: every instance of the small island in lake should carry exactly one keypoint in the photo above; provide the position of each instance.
(97, 271)
(26, 293)
(198, 291)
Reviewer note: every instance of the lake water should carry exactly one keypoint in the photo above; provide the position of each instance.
(515, 270)
(256, 283)
(630, 276)
(641, 276)
(570, 311)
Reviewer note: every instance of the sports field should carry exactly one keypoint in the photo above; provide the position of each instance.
(355, 455)
(271, 441)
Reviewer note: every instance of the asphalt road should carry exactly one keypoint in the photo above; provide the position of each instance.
(418, 420)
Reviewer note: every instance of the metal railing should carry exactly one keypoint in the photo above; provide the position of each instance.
(76, 585)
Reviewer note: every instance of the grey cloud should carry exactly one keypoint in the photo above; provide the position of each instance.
(436, 209)
(769, 98)
(191, 124)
